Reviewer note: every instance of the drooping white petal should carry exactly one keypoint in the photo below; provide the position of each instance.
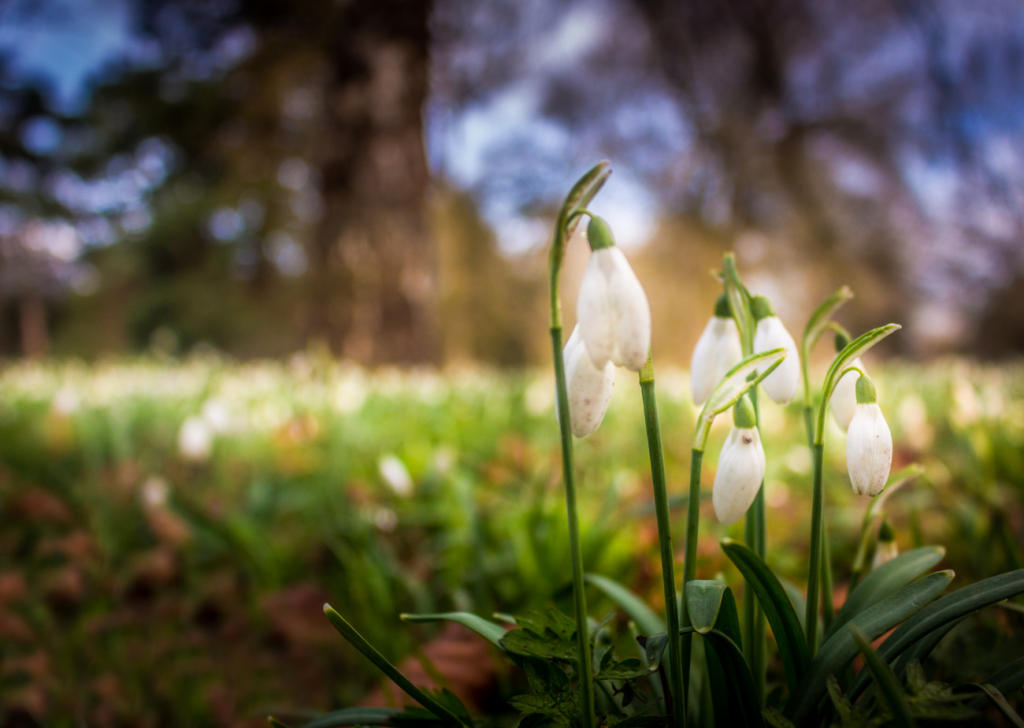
(589, 388)
(613, 313)
(781, 384)
(868, 450)
(718, 350)
(844, 397)
(740, 471)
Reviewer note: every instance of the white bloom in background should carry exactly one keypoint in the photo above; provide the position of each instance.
(195, 440)
(740, 467)
(396, 475)
(217, 415)
(589, 388)
(844, 397)
(868, 443)
(154, 492)
(612, 310)
(66, 401)
(781, 384)
(718, 350)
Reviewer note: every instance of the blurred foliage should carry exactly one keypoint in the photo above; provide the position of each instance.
(149, 577)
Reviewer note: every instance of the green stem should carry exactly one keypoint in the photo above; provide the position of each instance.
(586, 672)
(675, 658)
(814, 572)
(756, 626)
(690, 563)
(827, 607)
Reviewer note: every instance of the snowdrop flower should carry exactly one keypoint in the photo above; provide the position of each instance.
(195, 440)
(886, 549)
(589, 387)
(740, 466)
(612, 310)
(393, 472)
(718, 350)
(781, 384)
(868, 443)
(844, 396)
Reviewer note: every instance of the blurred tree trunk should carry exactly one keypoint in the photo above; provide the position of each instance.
(32, 325)
(373, 262)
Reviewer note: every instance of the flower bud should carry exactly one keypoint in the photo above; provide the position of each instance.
(589, 388)
(718, 350)
(195, 440)
(740, 467)
(780, 385)
(844, 396)
(868, 443)
(612, 310)
(886, 549)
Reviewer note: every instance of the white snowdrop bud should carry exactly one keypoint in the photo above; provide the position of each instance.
(740, 467)
(781, 384)
(868, 443)
(844, 396)
(612, 310)
(886, 549)
(589, 388)
(195, 439)
(718, 350)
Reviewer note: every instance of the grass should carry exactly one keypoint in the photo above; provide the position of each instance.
(141, 587)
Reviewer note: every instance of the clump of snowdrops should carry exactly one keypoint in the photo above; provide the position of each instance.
(704, 660)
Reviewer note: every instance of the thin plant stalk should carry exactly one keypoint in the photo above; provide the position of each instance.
(690, 562)
(675, 659)
(814, 580)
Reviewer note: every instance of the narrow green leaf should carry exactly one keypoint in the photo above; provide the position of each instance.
(583, 192)
(645, 617)
(488, 630)
(739, 301)
(734, 385)
(703, 600)
(355, 716)
(777, 608)
(1007, 680)
(275, 722)
(999, 700)
(839, 651)
(393, 673)
(796, 598)
(818, 322)
(885, 580)
(732, 687)
(948, 609)
(855, 348)
(923, 647)
(889, 688)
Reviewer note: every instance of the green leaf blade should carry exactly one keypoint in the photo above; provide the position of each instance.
(646, 618)
(889, 687)
(490, 631)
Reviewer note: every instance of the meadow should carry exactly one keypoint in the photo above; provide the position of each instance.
(156, 573)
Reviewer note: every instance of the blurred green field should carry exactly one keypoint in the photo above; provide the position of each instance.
(149, 581)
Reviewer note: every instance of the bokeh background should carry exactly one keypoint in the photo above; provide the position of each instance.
(273, 315)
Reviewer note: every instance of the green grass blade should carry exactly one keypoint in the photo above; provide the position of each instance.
(777, 608)
(889, 687)
(488, 630)
(839, 651)
(732, 686)
(355, 716)
(275, 723)
(885, 580)
(819, 320)
(393, 673)
(999, 700)
(1007, 680)
(948, 609)
(796, 598)
(646, 618)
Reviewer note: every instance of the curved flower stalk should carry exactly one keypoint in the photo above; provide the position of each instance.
(868, 443)
(844, 398)
(771, 333)
(589, 388)
(840, 365)
(612, 309)
(740, 466)
(718, 350)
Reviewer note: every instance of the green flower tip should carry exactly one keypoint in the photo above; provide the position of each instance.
(885, 532)
(866, 391)
(599, 233)
(722, 309)
(842, 341)
(761, 308)
(743, 414)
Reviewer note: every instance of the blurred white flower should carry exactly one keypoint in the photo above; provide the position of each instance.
(781, 384)
(66, 401)
(844, 397)
(195, 439)
(217, 415)
(589, 388)
(612, 309)
(718, 350)
(394, 473)
(154, 492)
